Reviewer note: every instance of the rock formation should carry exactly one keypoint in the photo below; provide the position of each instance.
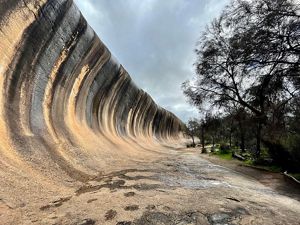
(68, 108)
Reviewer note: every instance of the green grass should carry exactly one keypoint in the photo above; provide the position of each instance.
(296, 175)
(227, 156)
(271, 168)
(249, 162)
(274, 168)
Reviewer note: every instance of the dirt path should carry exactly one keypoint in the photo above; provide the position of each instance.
(276, 181)
(181, 189)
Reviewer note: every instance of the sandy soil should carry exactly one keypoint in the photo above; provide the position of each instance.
(181, 188)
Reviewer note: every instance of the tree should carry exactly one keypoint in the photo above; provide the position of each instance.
(211, 124)
(202, 137)
(238, 117)
(249, 56)
(192, 129)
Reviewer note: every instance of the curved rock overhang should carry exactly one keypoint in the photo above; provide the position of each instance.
(67, 106)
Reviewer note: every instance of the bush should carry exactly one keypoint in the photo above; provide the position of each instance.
(293, 144)
(224, 148)
(284, 155)
(190, 145)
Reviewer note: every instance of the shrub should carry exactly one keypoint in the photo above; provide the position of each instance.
(285, 155)
(191, 145)
(224, 148)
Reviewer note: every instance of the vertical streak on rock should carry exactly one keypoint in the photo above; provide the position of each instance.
(12, 26)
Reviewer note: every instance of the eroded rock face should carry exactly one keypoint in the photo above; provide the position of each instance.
(66, 104)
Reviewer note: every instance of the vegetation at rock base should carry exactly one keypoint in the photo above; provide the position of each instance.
(247, 78)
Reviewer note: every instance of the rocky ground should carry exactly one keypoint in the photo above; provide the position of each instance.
(182, 188)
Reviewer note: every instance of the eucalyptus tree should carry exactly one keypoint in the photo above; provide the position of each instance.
(249, 56)
(192, 130)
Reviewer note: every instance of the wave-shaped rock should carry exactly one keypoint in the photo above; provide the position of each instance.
(68, 108)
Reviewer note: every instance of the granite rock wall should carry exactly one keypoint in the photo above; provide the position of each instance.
(67, 106)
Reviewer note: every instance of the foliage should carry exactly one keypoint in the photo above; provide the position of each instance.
(191, 145)
(192, 129)
(248, 68)
(224, 155)
(224, 148)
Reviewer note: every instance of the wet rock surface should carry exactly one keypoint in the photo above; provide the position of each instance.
(154, 218)
(188, 200)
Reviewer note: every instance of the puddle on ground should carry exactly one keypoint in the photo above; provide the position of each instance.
(161, 218)
(225, 218)
(193, 183)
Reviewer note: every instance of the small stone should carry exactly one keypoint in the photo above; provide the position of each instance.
(129, 194)
(124, 223)
(167, 208)
(150, 207)
(219, 217)
(87, 222)
(110, 214)
(92, 200)
(131, 208)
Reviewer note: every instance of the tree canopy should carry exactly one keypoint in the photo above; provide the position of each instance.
(249, 56)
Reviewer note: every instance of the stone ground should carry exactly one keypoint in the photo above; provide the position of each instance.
(183, 188)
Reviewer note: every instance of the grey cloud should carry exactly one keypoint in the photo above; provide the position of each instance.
(154, 40)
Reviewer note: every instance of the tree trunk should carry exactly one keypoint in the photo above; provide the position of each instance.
(242, 136)
(230, 133)
(258, 139)
(242, 142)
(230, 137)
(202, 139)
(193, 140)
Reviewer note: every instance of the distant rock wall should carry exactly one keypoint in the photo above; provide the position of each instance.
(66, 103)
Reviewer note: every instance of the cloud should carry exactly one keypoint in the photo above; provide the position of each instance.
(154, 40)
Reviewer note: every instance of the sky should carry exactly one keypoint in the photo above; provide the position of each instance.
(154, 40)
